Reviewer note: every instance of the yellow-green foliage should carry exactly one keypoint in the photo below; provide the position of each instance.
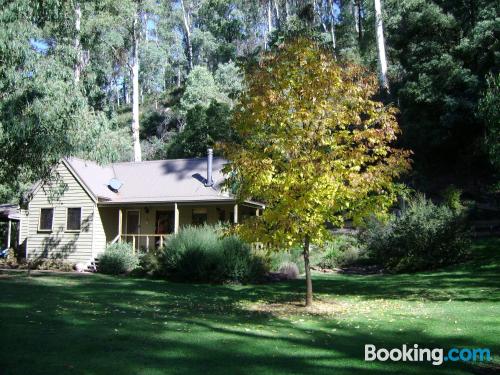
(315, 146)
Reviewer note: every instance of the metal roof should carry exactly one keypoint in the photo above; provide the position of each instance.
(158, 181)
(9, 212)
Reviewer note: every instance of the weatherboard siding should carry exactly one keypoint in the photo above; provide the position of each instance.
(59, 243)
(23, 228)
(99, 244)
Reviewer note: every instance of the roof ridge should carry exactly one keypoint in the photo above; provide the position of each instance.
(162, 160)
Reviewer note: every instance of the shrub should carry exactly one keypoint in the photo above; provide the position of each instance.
(202, 254)
(10, 260)
(46, 264)
(54, 264)
(149, 264)
(117, 259)
(453, 198)
(425, 236)
(290, 269)
(235, 260)
(341, 251)
(292, 255)
(237, 263)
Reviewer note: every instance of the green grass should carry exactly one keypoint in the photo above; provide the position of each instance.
(94, 324)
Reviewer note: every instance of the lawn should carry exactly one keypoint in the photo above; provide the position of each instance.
(94, 324)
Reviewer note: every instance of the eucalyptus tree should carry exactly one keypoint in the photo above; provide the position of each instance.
(382, 59)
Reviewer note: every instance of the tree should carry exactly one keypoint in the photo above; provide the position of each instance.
(314, 147)
(201, 89)
(187, 15)
(489, 110)
(134, 71)
(442, 56)
(229, 79)
(204, 127)
(382, 59)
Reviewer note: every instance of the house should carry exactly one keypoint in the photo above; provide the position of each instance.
(86, 206)
(9, 214)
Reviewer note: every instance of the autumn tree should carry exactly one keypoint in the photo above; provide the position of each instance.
(315, 147)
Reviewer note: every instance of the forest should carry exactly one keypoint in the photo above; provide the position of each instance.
(134, 80)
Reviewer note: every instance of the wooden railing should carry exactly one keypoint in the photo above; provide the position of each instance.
(142, 241)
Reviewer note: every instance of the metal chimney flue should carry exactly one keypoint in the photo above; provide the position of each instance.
(210, 158)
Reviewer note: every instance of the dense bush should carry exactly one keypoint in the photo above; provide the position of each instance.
(202, 254)
(293, 255)
(117, 259)
(237, 262)
(149, 264)
(341, 251)
(425, 236)
(52, 264)
(453, 198)
(290, 269)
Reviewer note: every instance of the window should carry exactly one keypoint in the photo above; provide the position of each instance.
(221, 213)
(199, 216)
(74, 219)
(46, 218)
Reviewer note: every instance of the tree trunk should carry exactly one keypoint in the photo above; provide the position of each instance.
(307, 266)
(354, 13)
(134, 67)
(269, 25)
(277, 12)
(332, 27)
(269, 17)
(359, 18)
(186, 16)
(78, 64)
(287, 11)
(126, 94)
(381, 46)
(117, 91)
(317, 10)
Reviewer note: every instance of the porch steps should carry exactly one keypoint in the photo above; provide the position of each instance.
(92, 267)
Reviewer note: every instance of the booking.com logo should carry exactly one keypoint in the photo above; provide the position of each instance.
(436, 355)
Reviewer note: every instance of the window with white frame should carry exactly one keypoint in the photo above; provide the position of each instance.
(74, 219)
(46, 219)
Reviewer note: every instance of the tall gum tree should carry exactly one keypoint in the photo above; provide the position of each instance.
(134, 72)
(382, 59)
(315, 148)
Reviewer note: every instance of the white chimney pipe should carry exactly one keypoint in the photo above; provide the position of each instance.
(210, 157)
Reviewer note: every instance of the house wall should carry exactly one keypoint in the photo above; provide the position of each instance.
(109, 218)
(23, 229)
(99, 238)
(59, 243)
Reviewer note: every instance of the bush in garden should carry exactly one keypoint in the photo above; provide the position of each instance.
(117, 259)
(293, 255)
(237, 262)
(149, 264)
(341, 251)
(289, 269)
(453, 198)
(425, 236)
(54, 265)
(191, 254)
(202, 254)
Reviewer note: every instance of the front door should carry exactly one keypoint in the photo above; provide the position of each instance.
(164, 222)
(133, 226)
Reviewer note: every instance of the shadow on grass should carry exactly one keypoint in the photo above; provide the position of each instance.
(99, 325)
(94, 324)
